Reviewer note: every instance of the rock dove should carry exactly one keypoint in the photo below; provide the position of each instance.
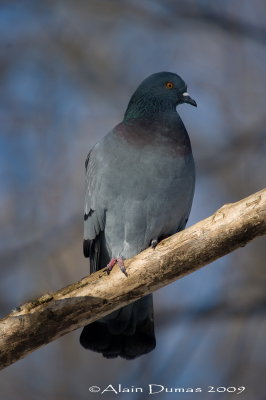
(140, 182)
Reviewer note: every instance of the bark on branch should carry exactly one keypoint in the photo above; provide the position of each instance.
(52, 315)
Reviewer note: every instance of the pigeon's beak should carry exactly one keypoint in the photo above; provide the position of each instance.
(187, 99)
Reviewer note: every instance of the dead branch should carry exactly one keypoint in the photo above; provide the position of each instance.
(53, 315)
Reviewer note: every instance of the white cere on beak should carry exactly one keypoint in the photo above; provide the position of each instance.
(185, 94)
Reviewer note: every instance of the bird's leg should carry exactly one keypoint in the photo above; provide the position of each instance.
(110, 265)
(121, 264)
(154, 243)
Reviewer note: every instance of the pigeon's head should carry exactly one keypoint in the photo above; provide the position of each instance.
(161, 91)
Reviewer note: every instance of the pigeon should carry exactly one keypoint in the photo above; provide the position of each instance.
(140, 181)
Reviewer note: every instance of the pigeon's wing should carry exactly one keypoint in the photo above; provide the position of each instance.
(94, 215)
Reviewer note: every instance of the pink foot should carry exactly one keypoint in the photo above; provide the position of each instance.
(113, 261)
(110, 265)
(121, 264)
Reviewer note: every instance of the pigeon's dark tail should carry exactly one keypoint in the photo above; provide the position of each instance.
(128, 332)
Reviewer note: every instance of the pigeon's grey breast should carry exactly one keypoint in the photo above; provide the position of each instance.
(140, 187)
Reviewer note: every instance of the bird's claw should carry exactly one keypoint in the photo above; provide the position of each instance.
(121, 264)
(110, 266)
(154, 243)
(112, 263)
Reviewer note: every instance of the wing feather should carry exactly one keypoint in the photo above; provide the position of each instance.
(94, 216)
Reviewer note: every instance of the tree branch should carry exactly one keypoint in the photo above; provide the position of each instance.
(53, 315)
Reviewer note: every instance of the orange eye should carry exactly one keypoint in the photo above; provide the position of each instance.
(169, 85)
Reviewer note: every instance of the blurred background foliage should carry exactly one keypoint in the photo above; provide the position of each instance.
(68, 69)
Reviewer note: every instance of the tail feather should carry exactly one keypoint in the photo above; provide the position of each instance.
(97, 337)
(135, 339)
